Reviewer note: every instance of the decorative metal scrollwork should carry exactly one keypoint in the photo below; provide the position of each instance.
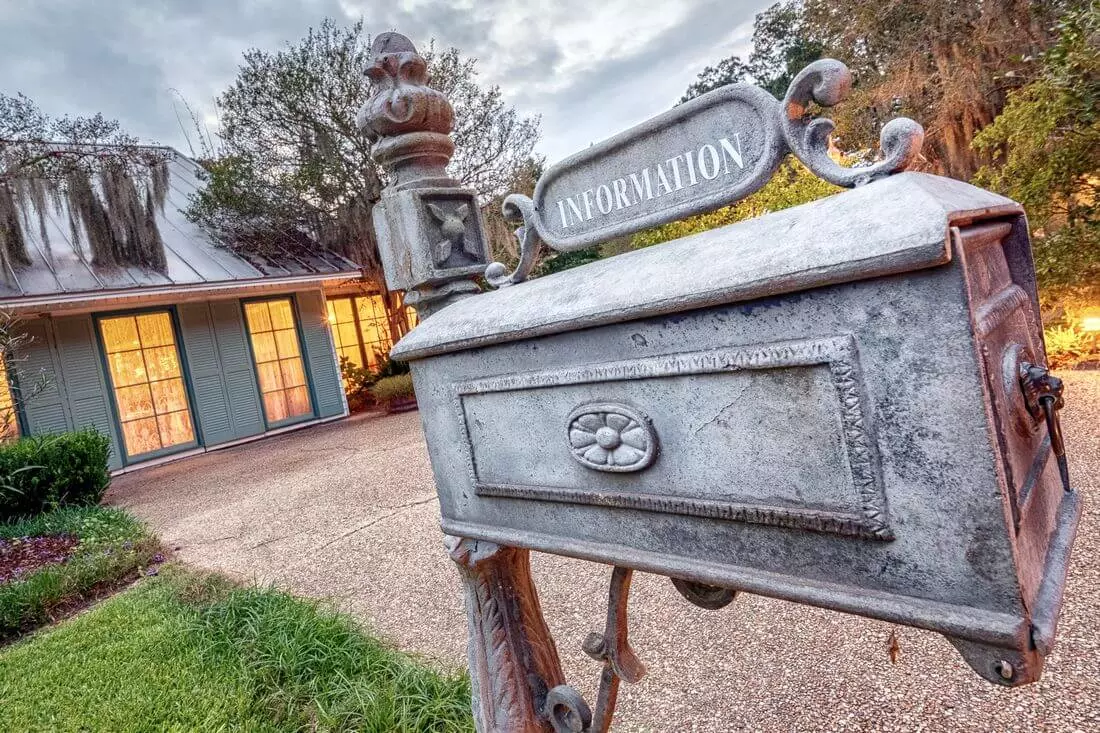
(517, 208)
(611, 437)
(782, 128)
(565, 708)
(828, 82)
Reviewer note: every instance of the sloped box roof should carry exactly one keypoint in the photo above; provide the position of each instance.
(897, 224)
(61, 267)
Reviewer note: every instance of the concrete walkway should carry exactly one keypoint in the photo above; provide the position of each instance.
(347, 511)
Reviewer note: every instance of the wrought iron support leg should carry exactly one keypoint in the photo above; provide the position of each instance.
(512, 657)
(567, 709)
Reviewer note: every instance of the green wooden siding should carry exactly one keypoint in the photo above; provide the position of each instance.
(220, 371)
(64, 355)
(39, 376)
(84, 380)
(328, 390)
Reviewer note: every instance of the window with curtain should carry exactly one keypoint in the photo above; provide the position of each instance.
(9, 420)
(278, 356)
(147, 380)
(360, 329)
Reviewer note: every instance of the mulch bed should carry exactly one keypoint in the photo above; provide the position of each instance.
(24, 555)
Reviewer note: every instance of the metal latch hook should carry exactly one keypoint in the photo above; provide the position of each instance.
(1043, 396)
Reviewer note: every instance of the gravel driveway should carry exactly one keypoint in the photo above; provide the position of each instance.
(347, 511)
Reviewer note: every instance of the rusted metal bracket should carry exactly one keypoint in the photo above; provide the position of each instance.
(1043, 396)
(710, 597)
(566, 709)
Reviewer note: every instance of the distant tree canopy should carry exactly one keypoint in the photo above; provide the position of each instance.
(946, 63)
(110, 187)
(1045, 148)
(1008, 92)
(289, 168)
(781, 48)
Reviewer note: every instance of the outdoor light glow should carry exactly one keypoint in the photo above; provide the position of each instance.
(1090, 319)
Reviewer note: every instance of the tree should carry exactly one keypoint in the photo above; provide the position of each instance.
(291, 171)
(781, 47)
(110, 187)
(946, 63)
(1045, 148)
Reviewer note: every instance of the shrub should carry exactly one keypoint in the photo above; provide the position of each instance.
(389, 389)
(357, 384)
(47, 471)
(1068, 346)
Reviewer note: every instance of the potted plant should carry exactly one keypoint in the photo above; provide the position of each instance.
(393, 386)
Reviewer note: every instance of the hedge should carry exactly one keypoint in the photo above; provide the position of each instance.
(48, 471)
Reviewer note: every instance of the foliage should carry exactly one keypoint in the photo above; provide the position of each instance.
(1068, 346)
(567, 260)
(947, 64)
(110, 187)
(781, 47)
(1046, 144)
(112, 546)
(291, 169)
(190, 652)
(792, 185)
(388, 367)
(357, 384)
(47, 471)
(390, 389)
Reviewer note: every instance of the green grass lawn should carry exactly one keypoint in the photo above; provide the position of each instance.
(188, 652)
(113, 547)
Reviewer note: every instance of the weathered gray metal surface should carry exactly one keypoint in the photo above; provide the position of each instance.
(897, 224)
(61, 266)
(831, 445)
(823, 405)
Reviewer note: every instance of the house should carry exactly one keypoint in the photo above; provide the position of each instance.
(212, 348)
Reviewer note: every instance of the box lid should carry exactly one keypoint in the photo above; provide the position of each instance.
(896, 224)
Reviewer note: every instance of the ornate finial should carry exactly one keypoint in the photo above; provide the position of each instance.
(430, 235)
(408, 121)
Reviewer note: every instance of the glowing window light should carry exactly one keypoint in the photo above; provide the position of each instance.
(1090, 320)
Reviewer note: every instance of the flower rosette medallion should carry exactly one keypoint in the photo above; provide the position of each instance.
(611, 437)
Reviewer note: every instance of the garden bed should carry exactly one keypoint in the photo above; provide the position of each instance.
(58, 561)
(184, 651)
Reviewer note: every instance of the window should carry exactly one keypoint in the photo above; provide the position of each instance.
(360, 329)
(9, 419)
(278, 357)
(148, 382)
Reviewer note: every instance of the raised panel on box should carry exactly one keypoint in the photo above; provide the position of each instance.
(668, 434)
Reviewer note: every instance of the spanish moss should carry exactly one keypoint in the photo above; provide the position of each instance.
(111, 205)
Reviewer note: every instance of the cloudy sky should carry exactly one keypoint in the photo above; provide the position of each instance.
(590, 68)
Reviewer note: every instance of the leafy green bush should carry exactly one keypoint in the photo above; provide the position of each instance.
(47, 471)
(357, 384)
(389, 389)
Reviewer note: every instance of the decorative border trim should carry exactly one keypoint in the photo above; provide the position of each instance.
(838, 352)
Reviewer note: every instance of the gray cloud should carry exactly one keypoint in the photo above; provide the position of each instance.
(590, 69)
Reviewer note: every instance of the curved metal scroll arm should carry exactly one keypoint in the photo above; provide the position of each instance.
(828, 82)
(517, 208)
(565, 707)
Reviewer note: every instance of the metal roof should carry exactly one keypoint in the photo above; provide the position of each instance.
(63, 268)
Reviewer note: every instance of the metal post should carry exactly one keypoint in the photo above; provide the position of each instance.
(432, 244)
